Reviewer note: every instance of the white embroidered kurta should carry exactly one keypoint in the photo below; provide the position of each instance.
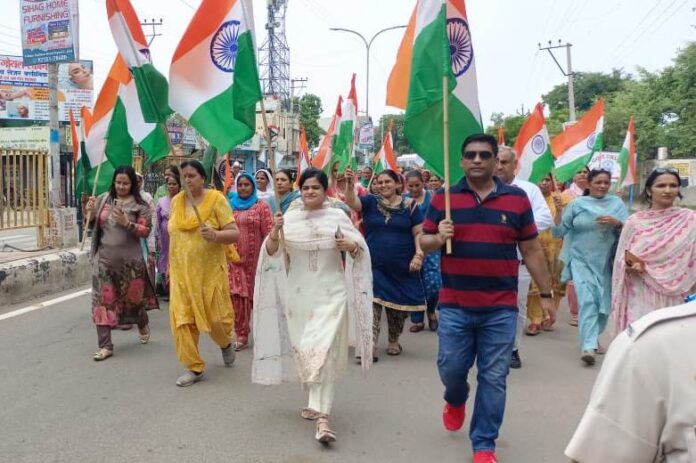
(303, 317)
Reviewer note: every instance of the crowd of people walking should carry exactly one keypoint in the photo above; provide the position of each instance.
(302, 266)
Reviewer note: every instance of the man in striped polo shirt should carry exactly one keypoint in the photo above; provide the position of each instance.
(478, 300)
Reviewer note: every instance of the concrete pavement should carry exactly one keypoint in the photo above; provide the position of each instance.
(60, 406)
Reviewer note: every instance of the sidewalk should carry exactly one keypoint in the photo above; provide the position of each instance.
(28, 275)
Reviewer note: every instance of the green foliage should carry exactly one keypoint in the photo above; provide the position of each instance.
(511, 126)
(401, 145)
(663, 105)
(310, 109)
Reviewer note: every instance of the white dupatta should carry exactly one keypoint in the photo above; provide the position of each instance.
(273, 359)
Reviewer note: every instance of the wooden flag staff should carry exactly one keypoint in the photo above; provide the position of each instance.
(94, 193)
(445, 120)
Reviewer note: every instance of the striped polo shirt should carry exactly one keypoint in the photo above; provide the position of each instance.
(481, 272)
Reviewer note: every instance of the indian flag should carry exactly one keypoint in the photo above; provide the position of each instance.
(86, 169)
(119, 122)
(437, 43)
(214, 80)
(385, 159)
(534, 148)
(152, 87)
(303, 156)
(324, 159)
(627, 158)
(575, 147)
(346, 132)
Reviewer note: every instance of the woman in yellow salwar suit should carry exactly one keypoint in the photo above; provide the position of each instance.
(199, 282)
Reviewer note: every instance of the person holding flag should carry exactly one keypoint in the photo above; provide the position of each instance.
(478, 300)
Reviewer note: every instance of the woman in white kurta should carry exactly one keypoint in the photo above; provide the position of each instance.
(309, 290)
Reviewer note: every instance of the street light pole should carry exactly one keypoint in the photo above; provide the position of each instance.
(368, 45)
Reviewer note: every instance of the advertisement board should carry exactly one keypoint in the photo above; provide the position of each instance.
(24, 89)
(607, 160)
(24, 138)
(49, 31)
(366, 138)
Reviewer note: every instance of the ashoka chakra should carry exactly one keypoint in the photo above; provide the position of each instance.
(538, 144)
(461, 50)
(224, 47)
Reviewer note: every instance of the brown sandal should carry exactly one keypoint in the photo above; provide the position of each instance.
(311, 415)
(144, 337)
(324, 433)
(417, 328)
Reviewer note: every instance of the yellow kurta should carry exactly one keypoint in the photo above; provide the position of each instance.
(552, 250)
(200, 292)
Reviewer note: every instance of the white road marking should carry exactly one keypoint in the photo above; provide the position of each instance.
(44, 304)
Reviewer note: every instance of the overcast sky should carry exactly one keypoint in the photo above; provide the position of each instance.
(511, 71)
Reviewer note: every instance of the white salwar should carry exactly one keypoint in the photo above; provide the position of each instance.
(307, 314)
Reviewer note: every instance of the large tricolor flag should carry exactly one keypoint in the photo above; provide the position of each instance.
(345, 139)
(152, 87)
(437, 43)
(575, 147)
(534, 148)
(324, 159)
(303, 161)
(213, 79)
(386, 159)
(627, 158)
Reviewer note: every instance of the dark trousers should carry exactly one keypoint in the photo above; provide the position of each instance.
(104, 332)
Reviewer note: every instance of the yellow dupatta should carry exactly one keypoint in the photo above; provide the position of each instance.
(178, 219)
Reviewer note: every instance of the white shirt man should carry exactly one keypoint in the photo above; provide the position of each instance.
(507, 165)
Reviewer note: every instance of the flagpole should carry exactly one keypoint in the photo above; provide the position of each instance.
(187, 192)
(271, 160)
(630, 197)
(445, 119)
(94, 193)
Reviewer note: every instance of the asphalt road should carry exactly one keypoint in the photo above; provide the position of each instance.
(58, 405)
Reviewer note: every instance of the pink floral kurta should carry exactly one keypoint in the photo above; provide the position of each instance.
(121, 288)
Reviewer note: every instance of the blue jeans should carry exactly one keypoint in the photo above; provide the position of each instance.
(419, 317)
(486, 336)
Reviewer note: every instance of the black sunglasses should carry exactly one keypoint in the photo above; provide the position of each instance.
(471, 155)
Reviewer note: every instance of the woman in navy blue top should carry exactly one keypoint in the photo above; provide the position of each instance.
(392, 226)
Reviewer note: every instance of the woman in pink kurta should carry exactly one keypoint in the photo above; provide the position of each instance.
(254, 220)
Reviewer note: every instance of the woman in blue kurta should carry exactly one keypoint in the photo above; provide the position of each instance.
(430, 273)
(392, 226)
(590, 226)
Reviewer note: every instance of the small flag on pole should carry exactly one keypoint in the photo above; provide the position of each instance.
(534, 148)
(575, 147)
(385, 159)
(627, 158)
(325, 157)
(501, 135)
(303, 161)
(346, 131)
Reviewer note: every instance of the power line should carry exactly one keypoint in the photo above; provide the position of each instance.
(187, 4)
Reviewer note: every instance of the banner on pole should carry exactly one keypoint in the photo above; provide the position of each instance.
(366, 138)
(24, 89)
(49, 31)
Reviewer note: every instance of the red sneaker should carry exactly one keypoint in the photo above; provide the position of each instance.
(453, 417)
(485, 456)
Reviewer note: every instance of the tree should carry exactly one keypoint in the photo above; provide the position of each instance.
(511, 126)
(401, 144)
(589, 86)
(310, 109)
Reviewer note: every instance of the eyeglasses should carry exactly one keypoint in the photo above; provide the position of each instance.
(666, 170)
(471, 155)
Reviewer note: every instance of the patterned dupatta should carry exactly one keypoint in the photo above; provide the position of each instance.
(273, 362)
(665, 240)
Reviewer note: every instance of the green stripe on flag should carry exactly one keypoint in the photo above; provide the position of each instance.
(153, 93)
(155, 145)
(119, 144)
(229, 118)
(542, 166)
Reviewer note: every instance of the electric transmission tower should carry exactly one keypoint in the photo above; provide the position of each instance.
(274, 54)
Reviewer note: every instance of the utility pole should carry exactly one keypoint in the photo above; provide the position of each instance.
(55, 199)
(568, 72)
(154, 32)
(301, 81)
